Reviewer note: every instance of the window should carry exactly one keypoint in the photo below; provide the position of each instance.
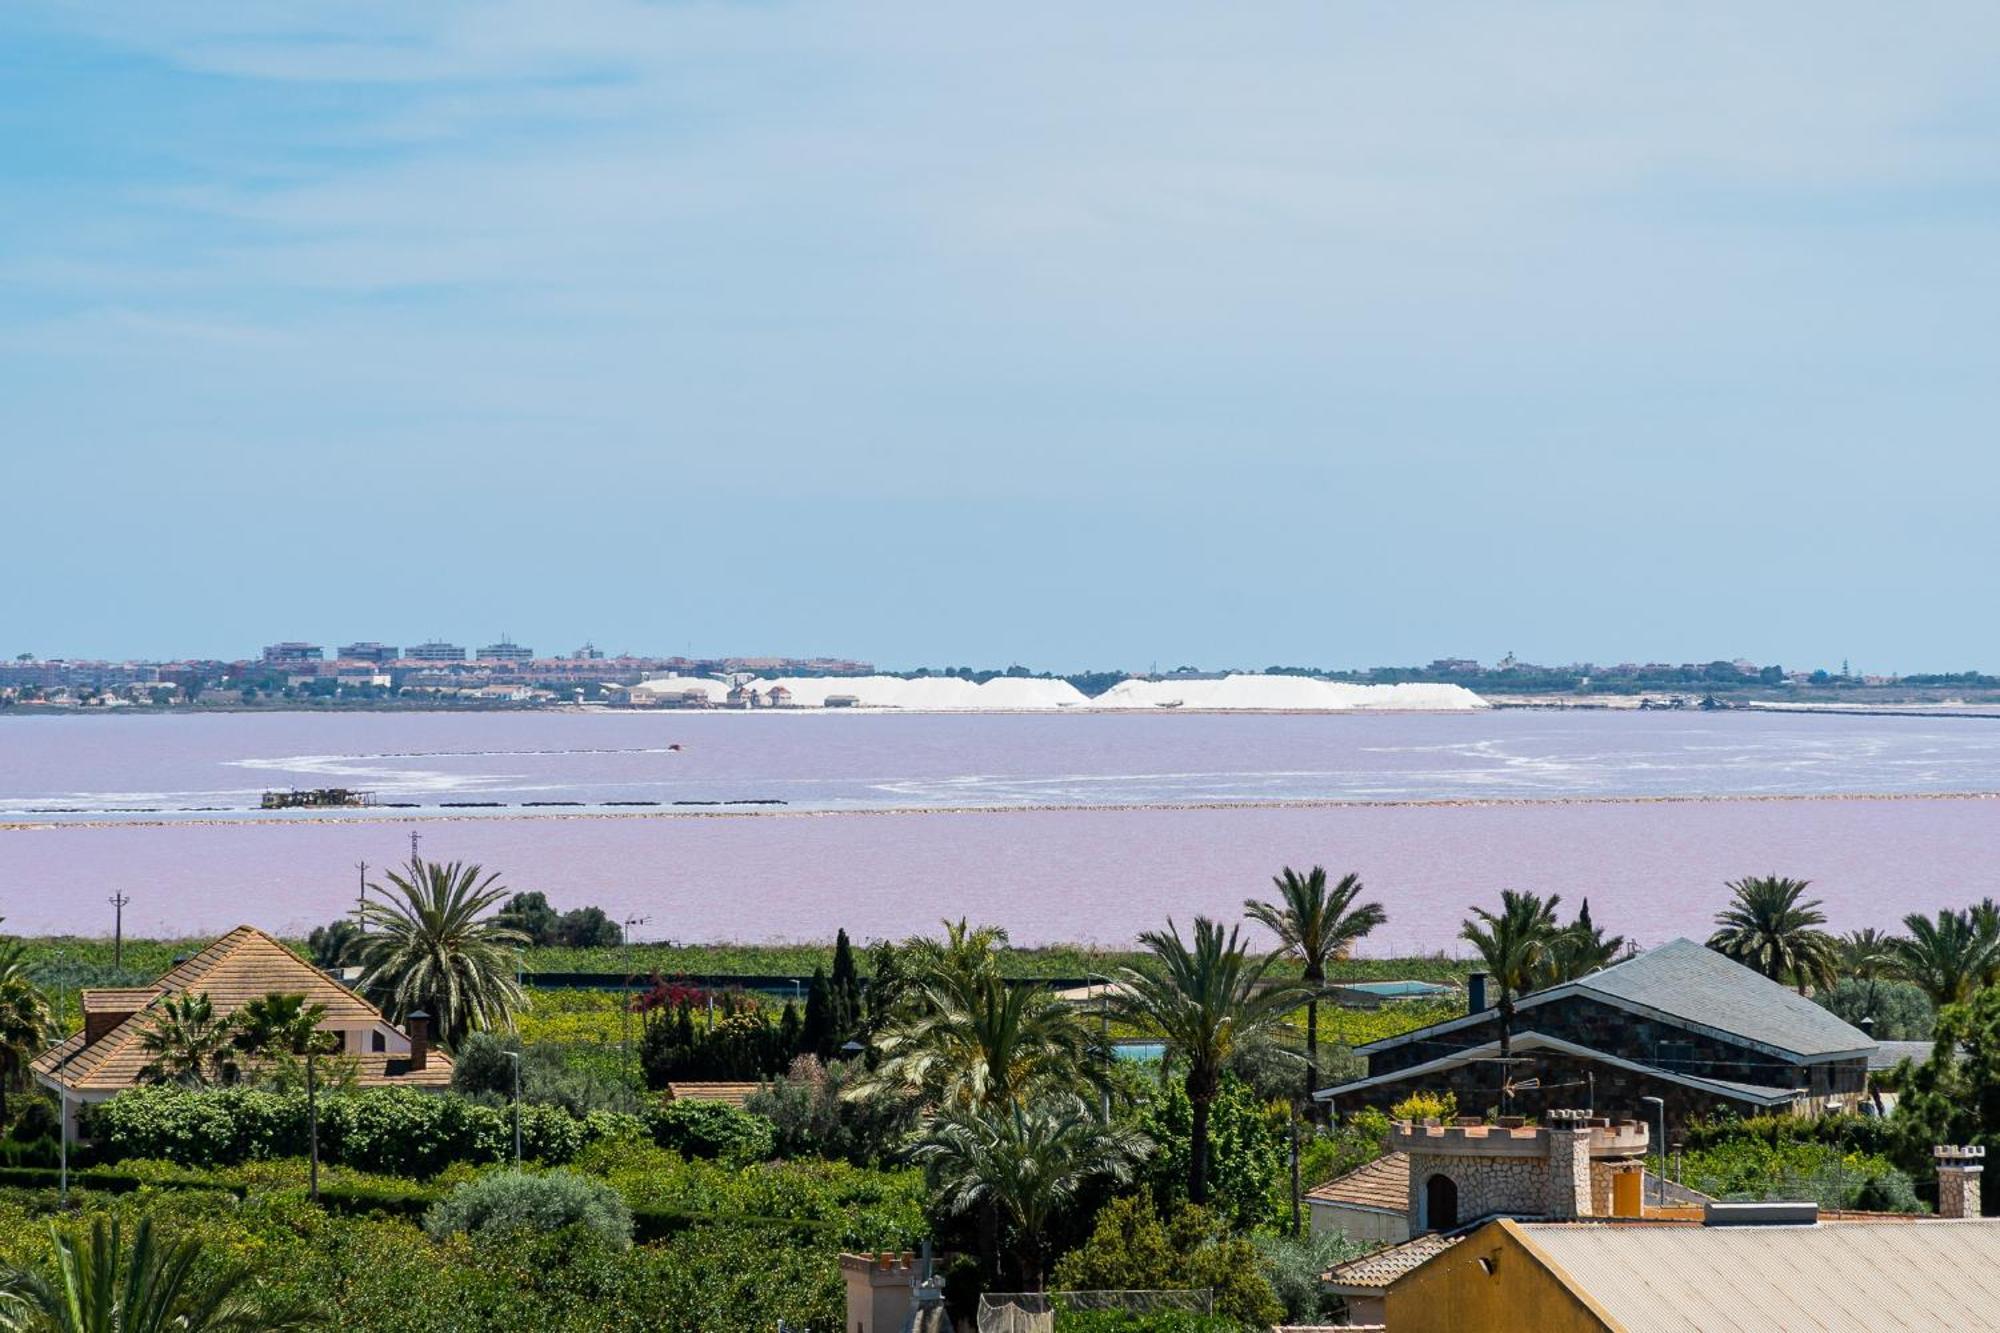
(377, 1043)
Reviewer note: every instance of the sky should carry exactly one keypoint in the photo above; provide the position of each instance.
(1082, 336)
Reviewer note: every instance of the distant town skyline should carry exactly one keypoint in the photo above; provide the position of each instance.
(1114, 334)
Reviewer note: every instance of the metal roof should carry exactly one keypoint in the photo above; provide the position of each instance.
(1829, 1278)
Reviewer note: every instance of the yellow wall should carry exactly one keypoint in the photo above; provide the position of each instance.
(1453, 1293)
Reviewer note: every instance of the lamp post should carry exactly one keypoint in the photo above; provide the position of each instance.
(1660, 1113)
(515, 1056)
(1104, 1040)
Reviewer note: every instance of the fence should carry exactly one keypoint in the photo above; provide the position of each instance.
(1040, 1311)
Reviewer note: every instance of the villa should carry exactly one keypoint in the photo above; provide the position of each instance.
(106, 1057)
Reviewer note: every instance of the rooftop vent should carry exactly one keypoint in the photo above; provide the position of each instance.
(1773, 1214)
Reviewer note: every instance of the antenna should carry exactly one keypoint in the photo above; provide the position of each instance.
(118, 901)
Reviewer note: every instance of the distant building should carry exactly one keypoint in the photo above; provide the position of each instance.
(435, 651)
(288, 653)
(590, 652)
(370, 652)
(1454, 666)
(505, 651)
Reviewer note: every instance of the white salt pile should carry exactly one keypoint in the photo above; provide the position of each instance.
(1284, 693)
(952, 694)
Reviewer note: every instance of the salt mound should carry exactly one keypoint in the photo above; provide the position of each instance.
(675, 687)
(1017, 692)
(1283, 693)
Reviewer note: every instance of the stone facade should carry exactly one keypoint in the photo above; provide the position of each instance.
(1520, 1169)
(1586, 1021)
(1958, 1172)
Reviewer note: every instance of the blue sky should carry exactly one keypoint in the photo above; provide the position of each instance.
(1077, 335)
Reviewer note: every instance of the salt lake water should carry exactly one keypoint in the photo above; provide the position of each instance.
(1072, 826)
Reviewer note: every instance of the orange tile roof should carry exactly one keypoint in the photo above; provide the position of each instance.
(244, 965)
(734, 1094)
(1383, 1183)
(118, 999)
(1385, 1266)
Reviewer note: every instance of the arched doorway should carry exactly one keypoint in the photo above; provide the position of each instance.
(1440, 1203)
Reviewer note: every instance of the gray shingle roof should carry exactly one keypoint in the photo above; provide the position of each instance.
(1889, 1054)
(1694, 983)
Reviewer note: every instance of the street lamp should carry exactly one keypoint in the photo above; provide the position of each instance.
(515, 1056)
(1660, 1112)
(1104, 1039)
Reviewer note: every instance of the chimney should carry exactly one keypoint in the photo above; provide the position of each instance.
(1958, 1179)
(1868, 1026)
(419, 1024)
(1566, 1190)
(1475, 992)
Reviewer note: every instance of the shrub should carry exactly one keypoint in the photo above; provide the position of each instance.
(1293, 1266)
(811, 1115)
(1426, 1106)
(1901, 1010)
(1156, 1321)
(1358, 1140)
(509, 1202)
(396, 1131)
(1132, 1249)
(711, 1131)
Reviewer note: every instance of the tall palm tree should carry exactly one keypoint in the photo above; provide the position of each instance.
(1025, 1161)
(433, 947)
(1204, 1002)
(967, 1038)
(189, 1043)
(1947, 958)
(285, 1026)
(1985, 916)
(154, 1286)
(1515, 945)
(1770, 926)
(1315, 925)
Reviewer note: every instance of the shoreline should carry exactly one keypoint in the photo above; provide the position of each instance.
(435, 815)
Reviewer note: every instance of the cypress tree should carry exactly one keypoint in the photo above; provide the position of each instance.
(846, 989)
(788, 1033)
(817, 1036)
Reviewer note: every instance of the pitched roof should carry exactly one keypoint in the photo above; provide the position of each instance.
(1385, 1266)
(732, 1094)
(1383, 1183)
(1850, 1276)
(1694, 986)
(1757, 1094)
(1889, 1054)
(244, 965)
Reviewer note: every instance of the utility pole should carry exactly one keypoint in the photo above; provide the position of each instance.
(415, 838)
(118, 901)
(625, 1007)
(361, 899)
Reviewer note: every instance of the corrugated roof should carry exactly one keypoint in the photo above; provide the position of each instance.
(1694, 983)
(244, 965)
(732, 1094)
(1858, 1276)
(1385, 1266)
(1383, 1183)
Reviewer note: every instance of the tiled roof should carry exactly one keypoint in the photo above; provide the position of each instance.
(1694, 983)
(1695, 986)
(733, 1094)
(1889, 1054)
(1385, 1266)
(244, 965)
(1383, 1183)
(119, 999)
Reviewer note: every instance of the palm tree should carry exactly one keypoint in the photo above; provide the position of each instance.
(433, 948)
(154, 1287)
(189, 1043)
(1204, 1002)
(26, 1026)
(1947, 959)
(285, 1026)
(1515, 945)
(1316, 926)
(1580, 949)
(1766, 927)
(964, 1037)
(1985, 916)
(1025, 1161)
